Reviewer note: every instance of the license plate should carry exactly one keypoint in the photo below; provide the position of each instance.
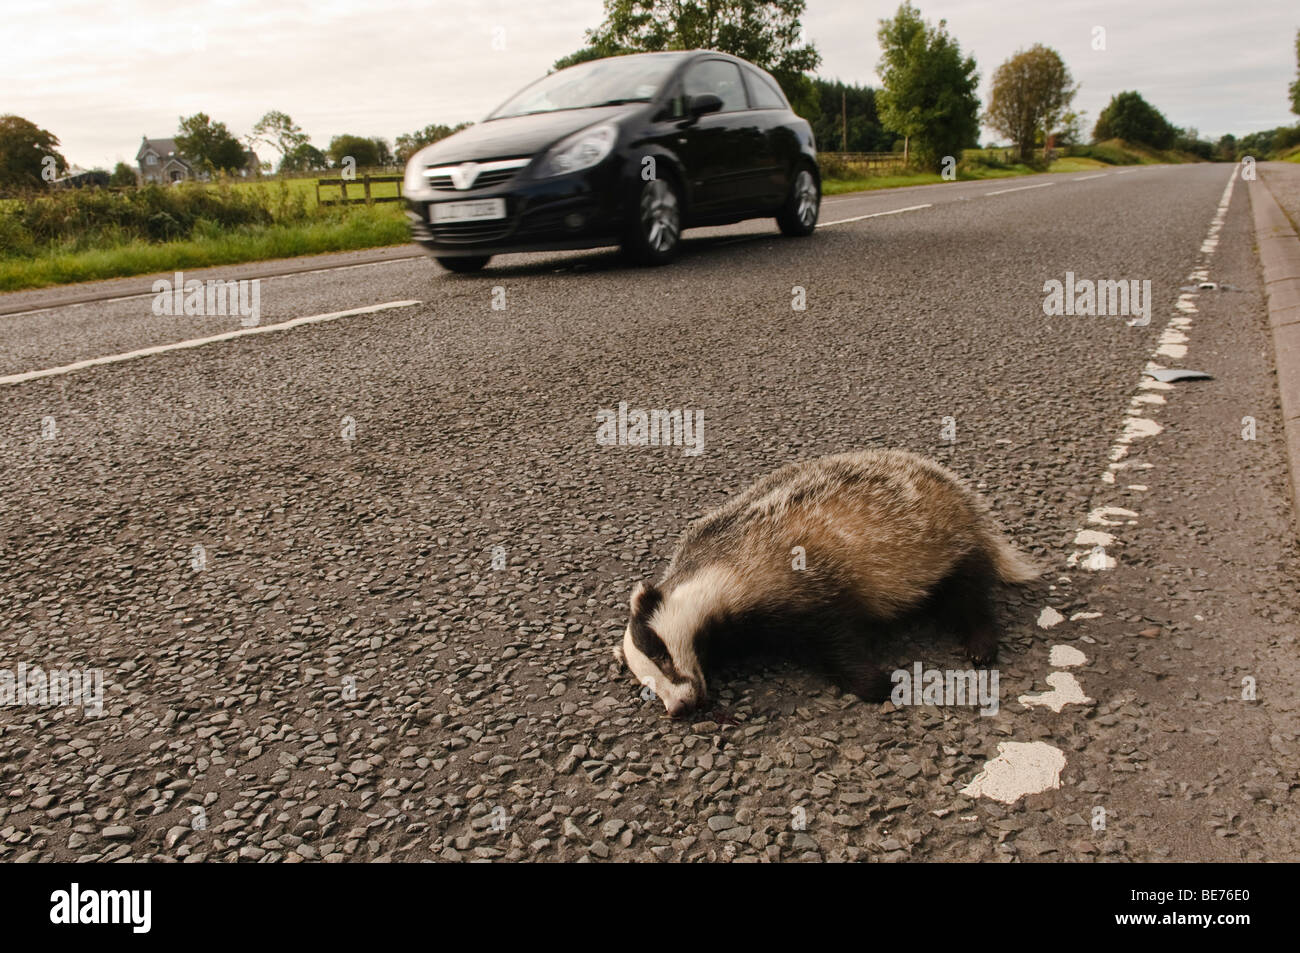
(476, 211)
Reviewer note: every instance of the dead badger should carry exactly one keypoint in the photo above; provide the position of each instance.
(882, 532)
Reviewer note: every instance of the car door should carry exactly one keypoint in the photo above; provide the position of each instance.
(713, 148)
(774, 145)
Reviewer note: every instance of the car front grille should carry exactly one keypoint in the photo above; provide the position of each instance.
(467, 232)
(490, 175)
(485, 180)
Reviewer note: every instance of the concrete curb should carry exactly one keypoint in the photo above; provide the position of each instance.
(17, 302)
(1279, 257)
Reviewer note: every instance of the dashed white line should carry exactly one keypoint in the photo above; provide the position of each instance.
(1085, 178)
(892, 211)
(200, 342)
(1020, 188)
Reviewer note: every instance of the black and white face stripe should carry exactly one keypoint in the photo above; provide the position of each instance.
(660, 642)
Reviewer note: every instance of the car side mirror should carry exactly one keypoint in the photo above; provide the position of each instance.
(702, 104)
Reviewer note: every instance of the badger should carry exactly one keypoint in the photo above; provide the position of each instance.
(817, 559)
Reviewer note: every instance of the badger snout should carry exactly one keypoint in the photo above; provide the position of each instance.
(681, 703)
(679, 709)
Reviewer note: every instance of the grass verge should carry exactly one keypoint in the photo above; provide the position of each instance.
(361, 227)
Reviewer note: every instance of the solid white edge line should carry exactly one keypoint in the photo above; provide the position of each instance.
(199, 342)
(892, 211)
(1021, 188)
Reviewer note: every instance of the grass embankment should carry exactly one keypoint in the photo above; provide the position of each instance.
(86, 235)
(979, 164)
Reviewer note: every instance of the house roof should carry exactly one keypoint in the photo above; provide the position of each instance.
(164, 147)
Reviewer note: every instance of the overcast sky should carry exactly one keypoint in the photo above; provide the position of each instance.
(99, 75)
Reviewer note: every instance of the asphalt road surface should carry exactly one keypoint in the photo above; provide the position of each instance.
(307, 652)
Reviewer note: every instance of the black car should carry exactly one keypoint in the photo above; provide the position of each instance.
(626, 151)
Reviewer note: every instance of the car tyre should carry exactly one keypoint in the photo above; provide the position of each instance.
(654, 232)
(465, 264)
(798, 216)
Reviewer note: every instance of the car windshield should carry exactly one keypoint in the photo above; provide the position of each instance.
(608, 82)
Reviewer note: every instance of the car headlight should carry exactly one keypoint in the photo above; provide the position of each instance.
(414, 181)
(579, 151)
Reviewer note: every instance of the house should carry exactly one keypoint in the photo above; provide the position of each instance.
(161, 162)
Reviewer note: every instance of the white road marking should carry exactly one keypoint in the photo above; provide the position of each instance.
(199, 342)
(1049, 617)
(1020, 188)
(1019, 769)
(1066, 690)
(154, 294)
(1065, 656)
(892, 211)
(1093, 537)
(1085, 178)
(1126, 171)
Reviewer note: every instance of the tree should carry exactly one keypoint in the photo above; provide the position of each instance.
(1069, 129)
(366, 153)
(122, 175)
(209, 144)
(765, 32)
(26, 152)
(1031, 92)
(409, 143)
(281, 133)
(1295, 87)
(928, 91)
(1130, 117)
(304, 158)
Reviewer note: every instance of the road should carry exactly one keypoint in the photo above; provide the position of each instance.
(340, 673)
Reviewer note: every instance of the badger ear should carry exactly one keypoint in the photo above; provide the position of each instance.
(645, 598)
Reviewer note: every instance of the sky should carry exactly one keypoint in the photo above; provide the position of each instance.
(99, 75)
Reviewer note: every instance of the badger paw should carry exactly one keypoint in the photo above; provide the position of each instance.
(982, 648)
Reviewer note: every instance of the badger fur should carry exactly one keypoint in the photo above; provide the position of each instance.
(883, 532)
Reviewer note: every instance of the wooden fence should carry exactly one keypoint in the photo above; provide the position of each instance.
(366, 198)
(872, 163)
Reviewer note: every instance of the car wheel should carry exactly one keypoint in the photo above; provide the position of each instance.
(802, 206)
(472, 263)
(654, 234)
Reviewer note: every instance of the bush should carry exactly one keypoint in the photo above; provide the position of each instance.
(79, 219)
(1104, 152)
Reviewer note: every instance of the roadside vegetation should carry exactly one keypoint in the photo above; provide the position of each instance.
(89, 234)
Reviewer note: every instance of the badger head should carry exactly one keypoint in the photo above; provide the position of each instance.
(659, 646)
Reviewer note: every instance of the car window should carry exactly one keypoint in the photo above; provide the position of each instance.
(720, 78)
(762, 91)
